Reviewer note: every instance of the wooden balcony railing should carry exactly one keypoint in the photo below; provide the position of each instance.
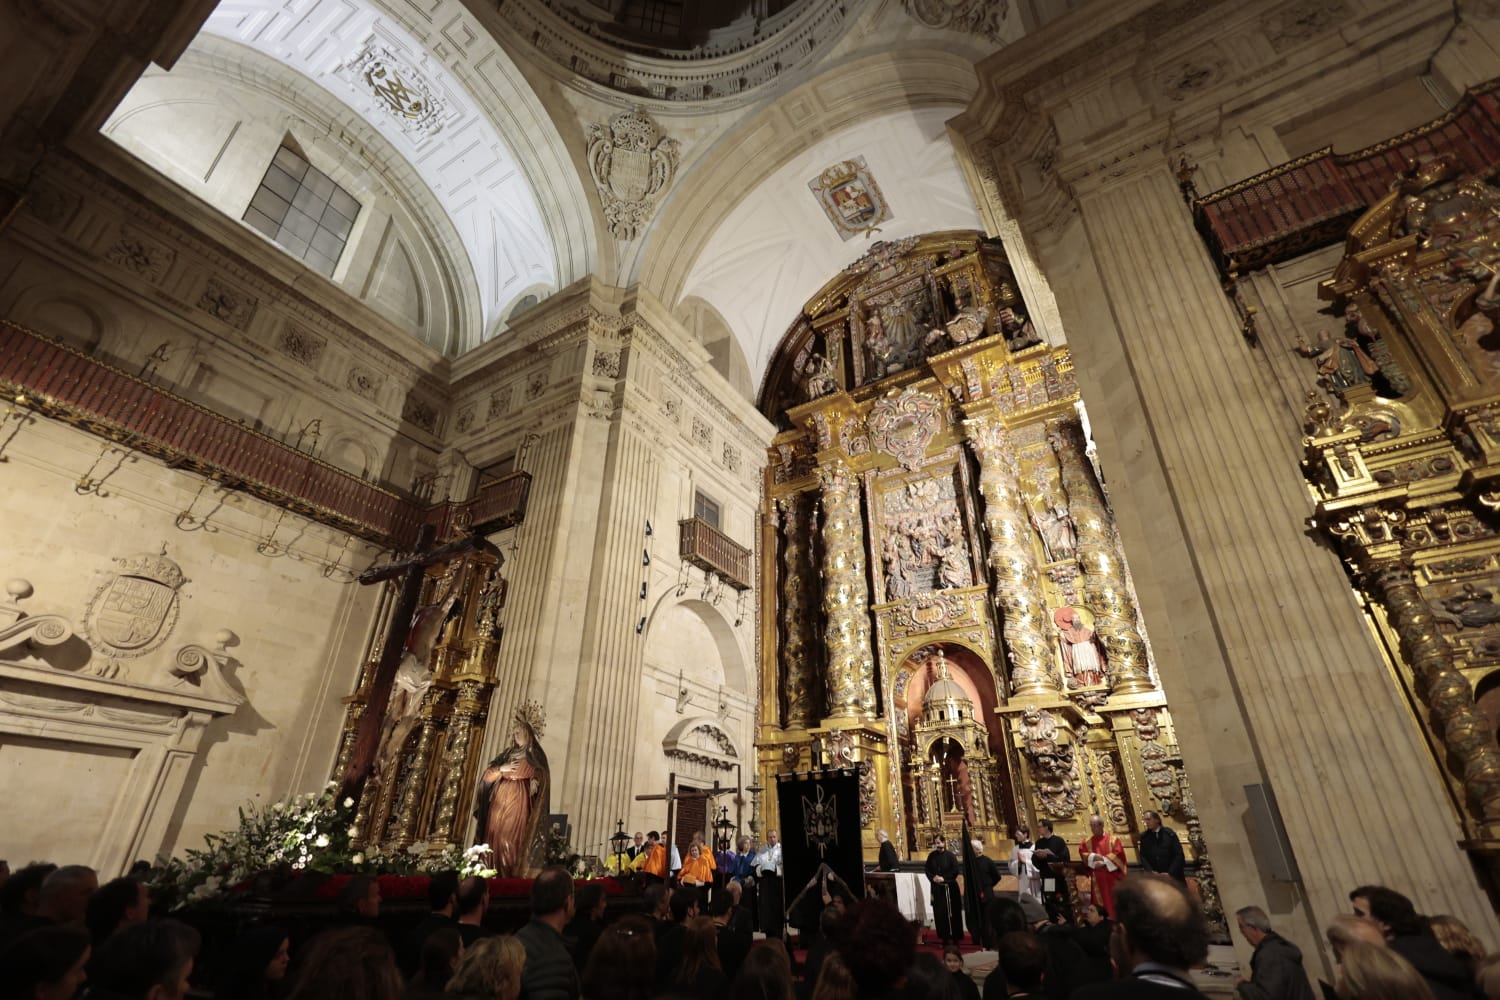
(1311, 202)
(712, 551)
(61, 382)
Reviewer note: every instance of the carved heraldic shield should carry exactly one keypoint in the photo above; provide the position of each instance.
(134, 610)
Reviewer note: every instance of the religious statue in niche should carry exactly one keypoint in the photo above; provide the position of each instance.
(1055, 526)
(817, 377)
(1018, 331)
(1475, 335)
(513, 798)
(894, 332)
(414, 673)
(1084, 658)
(1341, 361)
(1473, 608)
(969, 323)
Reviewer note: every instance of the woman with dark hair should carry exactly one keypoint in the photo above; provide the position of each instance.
(700, 975)
(441, 950)
(766, 974)
(622, 965)
(116, 905)
(877, 945)
(928, 978)
(256, 965)
(953, 959)
(45, 964)
(351, 963)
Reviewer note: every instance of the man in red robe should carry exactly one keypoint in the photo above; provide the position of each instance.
(1105, 855)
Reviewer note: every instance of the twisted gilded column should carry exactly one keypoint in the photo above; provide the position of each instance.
(416, 782)
(460, 724)
(1099, 559)
(799, 686)
(1012, 560)
(846, 595)
(1449, 697)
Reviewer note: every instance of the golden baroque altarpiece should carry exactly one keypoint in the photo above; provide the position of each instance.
(1403, 456)
(947, 607)
(422, 787)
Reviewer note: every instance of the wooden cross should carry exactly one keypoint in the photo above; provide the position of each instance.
(672, 795)
(412, 571)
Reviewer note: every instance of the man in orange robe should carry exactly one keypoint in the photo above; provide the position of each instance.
(1105, 855)
(655, 867)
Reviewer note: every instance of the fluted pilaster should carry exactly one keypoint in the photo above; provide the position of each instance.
(846, 595)
(1012, 560)
(799, 680)
(1115, 619)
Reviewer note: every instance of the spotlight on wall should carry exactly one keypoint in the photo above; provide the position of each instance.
(640, 626)
(643, 590)
(648, 528)
(645, 558)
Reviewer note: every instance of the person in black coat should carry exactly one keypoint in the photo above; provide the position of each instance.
(1092, 937)
(1051, 850)
(1407, 934)
(1276, 971)
(889, 861)
(549, 973)
(1160, 849)
(587, 923)
(1162, 934)
(943, 871)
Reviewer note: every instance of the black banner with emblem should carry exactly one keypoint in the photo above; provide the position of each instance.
(820, 825)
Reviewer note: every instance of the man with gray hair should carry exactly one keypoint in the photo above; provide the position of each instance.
(889, 860)
(65, 893)
(1276, 971)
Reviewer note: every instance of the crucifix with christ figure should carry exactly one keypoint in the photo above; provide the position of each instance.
(413, 631)
(673, 795)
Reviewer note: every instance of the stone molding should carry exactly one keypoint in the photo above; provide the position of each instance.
(159, 720)
(720, 78)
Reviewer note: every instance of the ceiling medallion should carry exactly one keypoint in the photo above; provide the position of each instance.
(399, 89)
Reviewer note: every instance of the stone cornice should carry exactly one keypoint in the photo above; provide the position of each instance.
(713, 80)
(115, 177)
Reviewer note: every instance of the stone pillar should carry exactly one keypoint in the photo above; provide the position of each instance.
(846, 595)
(1098, 555)
(799, 681)
(1271, 671)
(1012, 560)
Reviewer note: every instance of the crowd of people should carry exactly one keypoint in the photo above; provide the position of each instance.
(65, 936)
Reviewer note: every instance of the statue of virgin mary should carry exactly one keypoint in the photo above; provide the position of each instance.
(512, 802)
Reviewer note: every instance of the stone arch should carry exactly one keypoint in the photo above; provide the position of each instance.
(704, 738)
(751, 152)
(351, 452)
(709, 328)
(71, 317)
(731, 658)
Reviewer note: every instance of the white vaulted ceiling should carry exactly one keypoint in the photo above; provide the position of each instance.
(458, 152)
(776, 247)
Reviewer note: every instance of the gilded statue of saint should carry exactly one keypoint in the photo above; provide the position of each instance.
(511, 805)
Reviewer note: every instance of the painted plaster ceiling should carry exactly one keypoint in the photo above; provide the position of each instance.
(352, 50)
(776, 247)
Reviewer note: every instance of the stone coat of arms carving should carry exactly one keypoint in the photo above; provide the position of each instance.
(399, 89)
(135, 609)
(632, 163)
